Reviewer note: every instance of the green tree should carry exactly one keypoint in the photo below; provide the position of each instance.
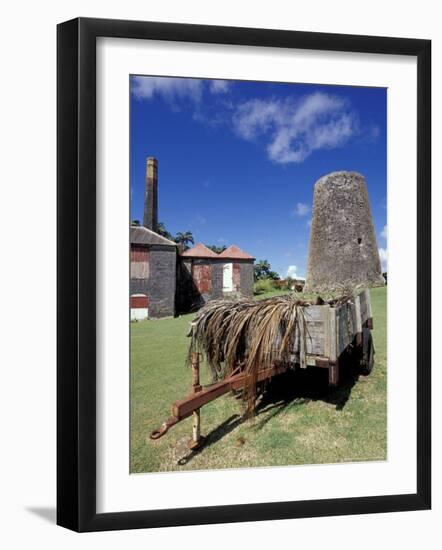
(263, 270)
(216, 249)
(273, 275)
(136, 223)
(184, 239)
(161, 230)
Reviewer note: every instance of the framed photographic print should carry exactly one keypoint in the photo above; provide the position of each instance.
(243, 274)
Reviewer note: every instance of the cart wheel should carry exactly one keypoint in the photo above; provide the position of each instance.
(367, 359)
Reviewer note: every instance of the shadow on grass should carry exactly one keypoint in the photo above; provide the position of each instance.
(291, 389)
(295, 388)
(212, 437)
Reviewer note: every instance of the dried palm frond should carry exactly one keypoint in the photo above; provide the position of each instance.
(251, 335)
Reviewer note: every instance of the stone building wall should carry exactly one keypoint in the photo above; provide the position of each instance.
(192, 290)
(162, 281)
(160, 284)
(139, 286)
(343, 249)
(247, 278)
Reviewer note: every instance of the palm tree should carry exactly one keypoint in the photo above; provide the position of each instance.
(161, 230)
(184, 238)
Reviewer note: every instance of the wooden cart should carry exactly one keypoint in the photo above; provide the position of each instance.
(331, 331)
(334, 330)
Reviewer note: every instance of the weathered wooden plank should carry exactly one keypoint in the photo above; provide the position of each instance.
(326, 328)
(358, 319)
(364, 306)
(341, 329)
(333, 352)
(368, 301)
(315, 338)
(314, 342)
(315, 346)
(346, 325)
(314, 313)
(315, 329)
(330, 330)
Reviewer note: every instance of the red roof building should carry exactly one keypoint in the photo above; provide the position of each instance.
(199, 251)
(235, 253)
(205, 275)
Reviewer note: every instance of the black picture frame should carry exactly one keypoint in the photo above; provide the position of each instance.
(76, 274)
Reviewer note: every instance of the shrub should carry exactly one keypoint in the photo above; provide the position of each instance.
(264, 285)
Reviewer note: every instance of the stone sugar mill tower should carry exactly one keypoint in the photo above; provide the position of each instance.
(343, 249)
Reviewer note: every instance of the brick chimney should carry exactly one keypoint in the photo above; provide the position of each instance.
(150, 219)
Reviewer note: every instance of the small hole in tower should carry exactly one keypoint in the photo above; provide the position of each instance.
(359, 240)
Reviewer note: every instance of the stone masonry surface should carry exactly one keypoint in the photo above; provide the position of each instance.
(343, 249)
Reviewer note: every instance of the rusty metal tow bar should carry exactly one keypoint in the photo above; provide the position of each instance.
(200, 396)
(159, 432)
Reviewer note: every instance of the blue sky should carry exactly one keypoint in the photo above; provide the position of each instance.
(237, 161)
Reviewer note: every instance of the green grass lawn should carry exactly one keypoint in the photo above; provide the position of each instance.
(299, 419)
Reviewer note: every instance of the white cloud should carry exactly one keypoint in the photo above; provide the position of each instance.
(292, 271)
(309, 223)
(293, 130)
(171, 89)
(219, 86)
(301, 209)
(383, 256)
(384, 232)
(256, 116)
